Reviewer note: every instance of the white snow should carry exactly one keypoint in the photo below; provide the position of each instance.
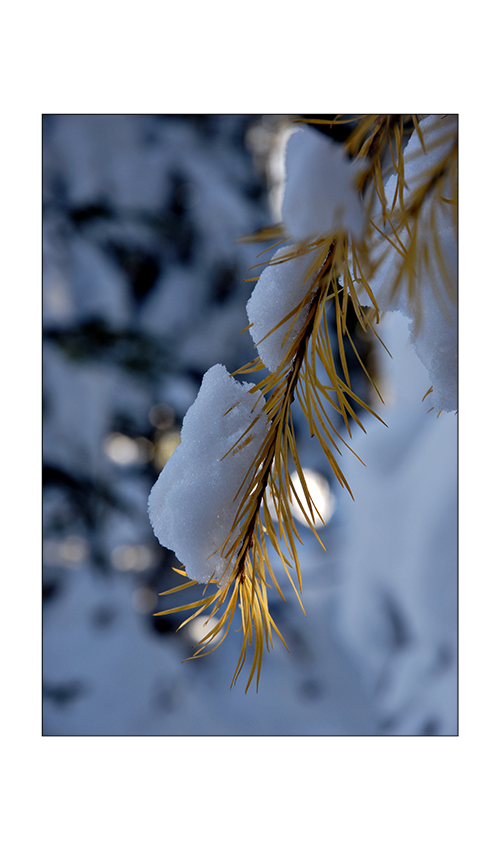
(435, 334)
(193, 504)
(128, 681)
(280, 288)
(320, 196)
(399, 552)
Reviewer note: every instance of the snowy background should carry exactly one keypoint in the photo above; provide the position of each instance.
(143, 291)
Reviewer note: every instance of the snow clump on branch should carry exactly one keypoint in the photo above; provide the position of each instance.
(281, 288)
(321, 197)
(194, 502)
(427, 296)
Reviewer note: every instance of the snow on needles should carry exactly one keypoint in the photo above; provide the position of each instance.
(282, 287)
(192, 506)
(320, 196)
(432, 305)
(320, 199)
(194, 503)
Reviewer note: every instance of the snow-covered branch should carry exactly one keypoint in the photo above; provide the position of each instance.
(371, 224)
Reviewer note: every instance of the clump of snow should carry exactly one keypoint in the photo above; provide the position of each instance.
(432, 307)
(193, 504)
(320, 196)
(280, 289)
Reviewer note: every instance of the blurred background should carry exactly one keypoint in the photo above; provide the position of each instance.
(144, 288)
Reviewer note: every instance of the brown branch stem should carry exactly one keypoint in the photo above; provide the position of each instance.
(289, 395)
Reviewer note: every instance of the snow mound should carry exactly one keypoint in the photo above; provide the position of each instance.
(280, 288)
(193, 504)
(320, 192)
